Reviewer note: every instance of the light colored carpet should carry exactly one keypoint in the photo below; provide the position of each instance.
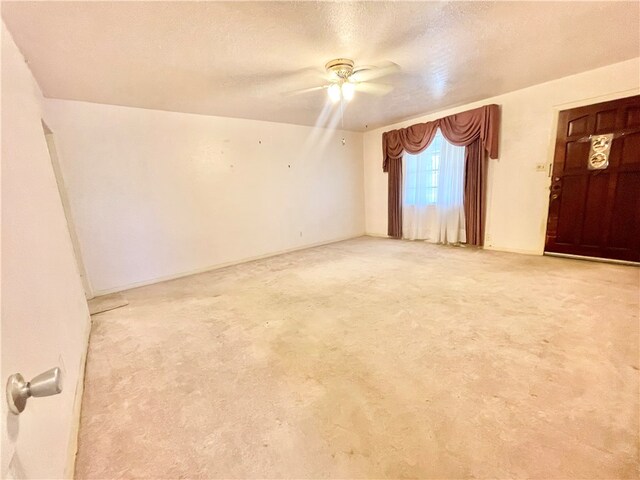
(369, 358)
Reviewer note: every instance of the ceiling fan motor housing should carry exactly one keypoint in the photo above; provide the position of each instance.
(340, 67)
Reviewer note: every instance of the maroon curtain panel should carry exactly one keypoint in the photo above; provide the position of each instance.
(475, 185)
(477, 130)
(394, 226)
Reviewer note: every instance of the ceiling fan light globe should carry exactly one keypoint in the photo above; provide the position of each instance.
(348, 89)
(334, 93)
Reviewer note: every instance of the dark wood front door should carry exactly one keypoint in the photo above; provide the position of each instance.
(596, 213)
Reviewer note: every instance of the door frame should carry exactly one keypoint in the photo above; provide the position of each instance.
(52, 150)
(551, 149)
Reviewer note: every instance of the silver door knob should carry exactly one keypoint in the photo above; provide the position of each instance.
(44, 385)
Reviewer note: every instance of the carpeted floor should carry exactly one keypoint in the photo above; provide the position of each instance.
(370, 358)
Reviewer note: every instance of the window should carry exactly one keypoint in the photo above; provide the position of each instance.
(433, 193)
(421, 174)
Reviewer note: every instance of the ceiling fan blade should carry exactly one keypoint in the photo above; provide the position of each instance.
(379, 89)
(302, 91)
(366, 73)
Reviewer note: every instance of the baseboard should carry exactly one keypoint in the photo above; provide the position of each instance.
(513, 250)
(376, 235)
(208, 268)
(486, 247)
(592, 259)
(69, 471)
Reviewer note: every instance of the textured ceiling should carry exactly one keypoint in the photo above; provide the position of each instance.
(239, 59)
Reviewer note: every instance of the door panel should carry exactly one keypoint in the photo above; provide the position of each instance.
(596, 200)
(630, 144)
(605, 121)
(597, 212)
(575, 156)
(632, 116)
(626, 200)
(574, 191)
(578, 126)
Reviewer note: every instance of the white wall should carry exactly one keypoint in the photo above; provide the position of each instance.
(517, 193)
(158, 194)
(45, 320)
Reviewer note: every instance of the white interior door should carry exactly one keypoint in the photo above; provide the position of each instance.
(45, 320)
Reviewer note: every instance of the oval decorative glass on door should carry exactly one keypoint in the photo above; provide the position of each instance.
(599, 152)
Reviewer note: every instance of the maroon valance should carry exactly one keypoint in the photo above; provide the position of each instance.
(477, 130)
(460, 129)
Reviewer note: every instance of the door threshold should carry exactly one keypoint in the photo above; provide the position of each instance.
(593, 259)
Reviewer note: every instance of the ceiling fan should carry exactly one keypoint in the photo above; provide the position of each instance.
(344, 79)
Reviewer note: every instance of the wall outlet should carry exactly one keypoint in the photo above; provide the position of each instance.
(541, 167)
(487, 239)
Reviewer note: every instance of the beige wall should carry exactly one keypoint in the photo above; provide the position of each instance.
(517, 192)
(44, 314)
(158, 194)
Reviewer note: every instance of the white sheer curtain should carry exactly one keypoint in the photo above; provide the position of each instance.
(433, 186)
